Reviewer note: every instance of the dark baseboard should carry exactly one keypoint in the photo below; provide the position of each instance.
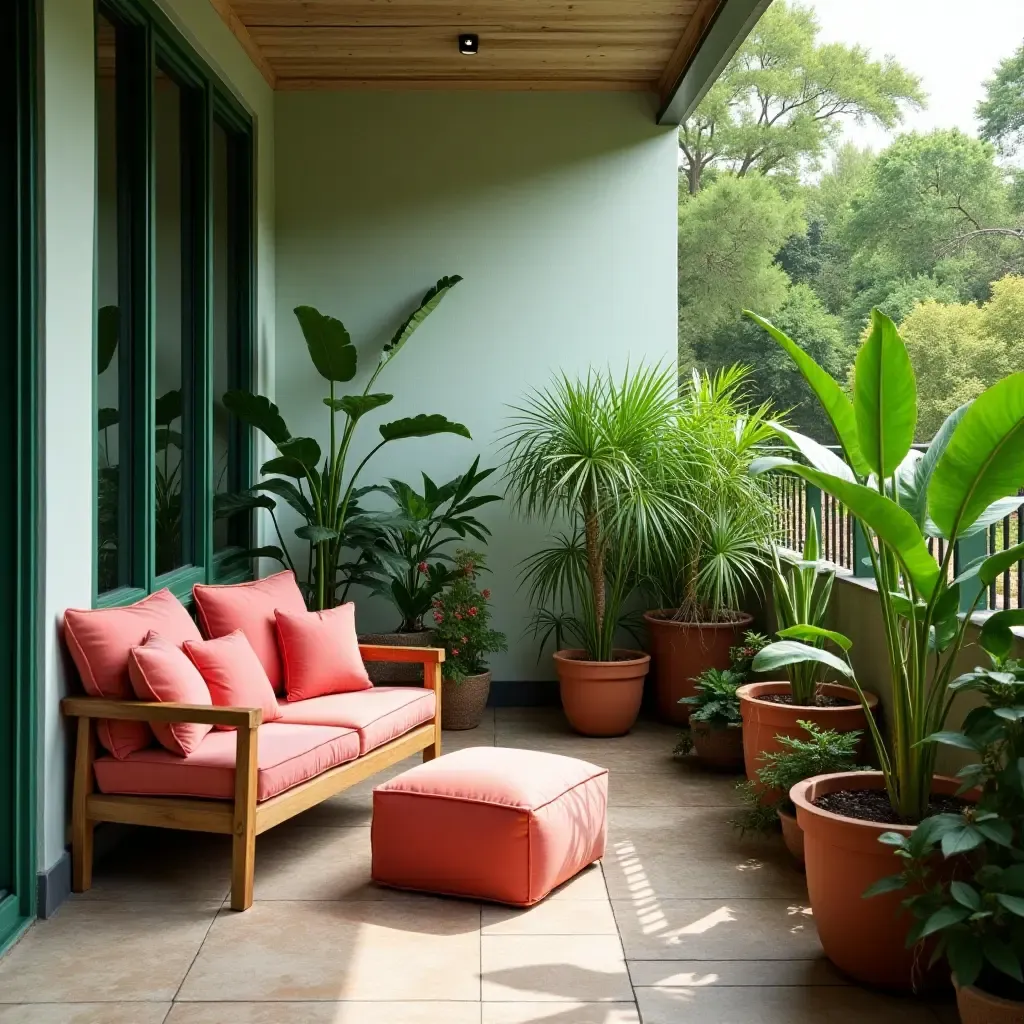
(532, 694)
(53, 886)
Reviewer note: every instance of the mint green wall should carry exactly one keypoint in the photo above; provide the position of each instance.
(559, 210)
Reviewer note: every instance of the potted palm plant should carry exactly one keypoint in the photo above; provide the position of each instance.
(601, 455)
(969, 477)
(773, 711)
(701, 574)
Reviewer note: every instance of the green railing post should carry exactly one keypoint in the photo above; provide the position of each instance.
(812, 498)
(861, 553)
(969, 549)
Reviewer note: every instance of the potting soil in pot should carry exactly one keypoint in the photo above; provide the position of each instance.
(822, 700)
(873, 805)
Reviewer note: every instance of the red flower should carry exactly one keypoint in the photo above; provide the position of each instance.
(455, 651)
(485, 594)
(472, 611)
(438, 617)
(423, 567)
(465, 639)
(458, 615)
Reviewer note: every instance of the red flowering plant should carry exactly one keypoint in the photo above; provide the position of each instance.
(462, 620)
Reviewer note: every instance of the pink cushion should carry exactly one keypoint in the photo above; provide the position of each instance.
(234, 675)
(99, 641)
(379, 714)
(490, 823)
(162, 671)
(320, 652)
(250, 607)
(287, 755)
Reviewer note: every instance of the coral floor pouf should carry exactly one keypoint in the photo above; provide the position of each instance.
(491, 823)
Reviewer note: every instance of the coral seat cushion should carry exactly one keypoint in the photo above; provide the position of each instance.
(161, 671)
(100, 640)
(490, 823)
(234, 675)
(250, 607)
(320, 652)
(379, 714)
(287, 755)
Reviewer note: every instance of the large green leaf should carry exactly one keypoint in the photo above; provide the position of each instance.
(225, 505)
(790, 652)
(302, 449)
(816, 454)
(168, 408)
(287, 490)
(984, 460)
(990, 569)
(284, 466)
(108, 417)
(329, 344)
(316, 534)
(427, 305)
(833, 399)
(357, 406)
(884, 397)
(258, 412)
(108, 320)
(996, 634)
(803, 631)
(916, 470)
(893, 525)
(421, 426)
(995, 513)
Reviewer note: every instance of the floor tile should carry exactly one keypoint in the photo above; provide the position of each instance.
(676, 786)
(326, 1013)
(748, 1005)
(543, 968)
(416, 948)
(84, 1013)
(552, 917)
(587, 885)
(106, 951)
(560, 1013)
(717, 930)
(700, 973)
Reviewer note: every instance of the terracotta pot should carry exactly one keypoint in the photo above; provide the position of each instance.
(719, 747)
(601, 698)
(977, 1007)
(463, 704)
(764, 720)
(397, 673)
(681, 651)
(793, 837)
(865, 938)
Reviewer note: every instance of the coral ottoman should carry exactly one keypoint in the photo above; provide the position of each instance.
(490, 823)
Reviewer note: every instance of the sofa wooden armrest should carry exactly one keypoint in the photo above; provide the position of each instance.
(144, 711)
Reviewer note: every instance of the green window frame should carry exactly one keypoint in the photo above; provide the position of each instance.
(147, 46)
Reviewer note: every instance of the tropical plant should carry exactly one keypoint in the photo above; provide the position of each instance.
(602, 455)
(741, 657)
(325, 498)
(968, 478)
(402, 556)
(975, 914)
(462, 620)
(801, 599)
(823, 751)
(705, 569)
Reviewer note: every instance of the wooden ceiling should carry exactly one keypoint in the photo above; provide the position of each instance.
(524, 44)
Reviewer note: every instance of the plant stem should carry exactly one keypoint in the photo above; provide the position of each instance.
(595, 566)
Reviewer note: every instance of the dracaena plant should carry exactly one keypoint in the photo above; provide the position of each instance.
(968, 478)
(319, 486)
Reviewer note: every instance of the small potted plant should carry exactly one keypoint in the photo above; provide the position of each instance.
(773, 710)
(462, 626)
(819, 752)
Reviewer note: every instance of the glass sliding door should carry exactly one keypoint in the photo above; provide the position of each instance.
(17, 469)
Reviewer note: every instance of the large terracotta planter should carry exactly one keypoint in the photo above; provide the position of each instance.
(764, 721)
(719, 748)
(397, 673)
(865, 938)
(601, 698)
(978, 1007)
(463, 704)
(681, 651)
(792, 836)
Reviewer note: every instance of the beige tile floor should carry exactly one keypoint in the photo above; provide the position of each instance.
(684, 922)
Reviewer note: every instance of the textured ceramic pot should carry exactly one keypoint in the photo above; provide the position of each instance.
(397, 673)
(463, 704)
(977, 1007)
(719, 748)
(792, 836)
(764, 720)
(680, 651)
(601, 698)
(865, 938)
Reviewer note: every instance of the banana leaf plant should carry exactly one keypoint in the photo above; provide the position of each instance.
(318, 485)
(969, 477)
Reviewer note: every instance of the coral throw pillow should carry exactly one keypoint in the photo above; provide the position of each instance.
(250, 607)
(161, 671)
(100, 640)
(320, 651)
(234, 675)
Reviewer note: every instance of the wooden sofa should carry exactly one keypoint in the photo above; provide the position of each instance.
(243, 818)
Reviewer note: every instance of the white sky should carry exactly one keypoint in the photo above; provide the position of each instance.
(952, 46)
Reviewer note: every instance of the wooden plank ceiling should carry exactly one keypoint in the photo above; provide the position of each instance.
(524, 44)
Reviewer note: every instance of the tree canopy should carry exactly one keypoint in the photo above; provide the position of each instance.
(1001, 112)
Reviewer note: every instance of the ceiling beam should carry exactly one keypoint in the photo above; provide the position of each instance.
(241, 33)
(715, 32)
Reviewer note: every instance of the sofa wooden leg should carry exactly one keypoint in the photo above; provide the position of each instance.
(432, 679)
(243, 843)
(82, 827)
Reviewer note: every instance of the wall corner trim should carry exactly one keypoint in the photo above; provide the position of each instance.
(54, 886)
(241, 33)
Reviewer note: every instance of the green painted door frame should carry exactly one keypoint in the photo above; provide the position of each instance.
(18, 464)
